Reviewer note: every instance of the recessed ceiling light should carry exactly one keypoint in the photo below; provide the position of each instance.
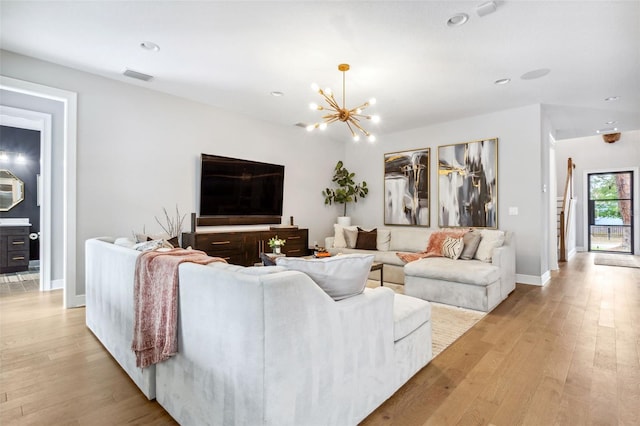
(612, 98)
(276, 93)
(502, 81)
(458, 19)
(611, 122)
(607, 130)
(532, 75)
(149, 45)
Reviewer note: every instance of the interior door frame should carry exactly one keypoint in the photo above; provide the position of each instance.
(635, 209)
(41, 122)
(69, 101)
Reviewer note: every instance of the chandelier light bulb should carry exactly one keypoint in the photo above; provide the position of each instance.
(372, 138)
(323, 126)
(313, 106)
(356, 138)
(358, 111)
(375, 118)
(315, 87)
(328, 91)
(310, 127)
(372, 101)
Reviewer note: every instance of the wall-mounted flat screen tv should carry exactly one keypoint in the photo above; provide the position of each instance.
(235, 187)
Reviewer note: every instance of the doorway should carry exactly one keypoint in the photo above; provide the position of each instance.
(610, 217)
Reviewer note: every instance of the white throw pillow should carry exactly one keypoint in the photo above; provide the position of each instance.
(384, 240)
(343, 236)
(452, 247)
(351, 235)
(491, 238)
(339, 276)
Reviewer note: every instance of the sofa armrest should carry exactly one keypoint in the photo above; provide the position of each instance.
(504, 257)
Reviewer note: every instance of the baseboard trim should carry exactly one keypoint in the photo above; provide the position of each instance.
(57, 284)
(533, 279)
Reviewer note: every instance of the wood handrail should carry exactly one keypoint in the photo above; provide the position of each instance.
(566, 209)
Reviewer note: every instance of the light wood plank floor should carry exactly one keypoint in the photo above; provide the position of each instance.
(565, 354)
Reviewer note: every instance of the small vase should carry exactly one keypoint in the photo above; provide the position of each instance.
(276, 249)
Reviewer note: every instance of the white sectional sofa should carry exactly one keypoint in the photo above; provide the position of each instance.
(473, 284)
(262, 345)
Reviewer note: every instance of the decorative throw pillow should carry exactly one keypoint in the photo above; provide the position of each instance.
(452, 247)
(339, 276)
(367, 240)
(174, 242)
(267, 260)
(383, 241)
(351, 236)
(434, 248)
(151, 245)
(471, 242)
(491, 238)
(344, 236)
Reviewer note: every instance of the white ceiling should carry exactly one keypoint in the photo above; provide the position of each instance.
(232, 54)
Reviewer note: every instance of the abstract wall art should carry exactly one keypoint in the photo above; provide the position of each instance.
(406, 188)
(468, 184)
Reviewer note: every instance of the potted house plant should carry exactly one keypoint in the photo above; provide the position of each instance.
(276, 244)
(347, 191)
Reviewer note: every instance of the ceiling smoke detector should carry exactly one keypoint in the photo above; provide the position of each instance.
(486, 8)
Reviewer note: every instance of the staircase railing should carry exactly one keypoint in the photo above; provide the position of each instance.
(565, 211)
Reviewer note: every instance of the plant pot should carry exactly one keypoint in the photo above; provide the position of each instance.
(276, 249)
(344, 220)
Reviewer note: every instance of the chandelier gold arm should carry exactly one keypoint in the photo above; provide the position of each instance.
(349, 116)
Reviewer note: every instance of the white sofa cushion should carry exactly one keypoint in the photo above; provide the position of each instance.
(409, 240)
(456, 271)
(383, 240)
(339, 276)
(491, 238)
(409, 313)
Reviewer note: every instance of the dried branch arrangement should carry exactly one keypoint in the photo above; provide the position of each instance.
(173, 225)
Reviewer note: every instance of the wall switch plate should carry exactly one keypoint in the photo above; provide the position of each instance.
(513, 211)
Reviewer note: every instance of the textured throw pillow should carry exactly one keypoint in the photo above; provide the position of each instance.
(491, 238)
(351, 236)
(151, 245)
(452, 247)
(339, 276)
(383, 242)
(434, 248)
(344, 236)
(471, 242)
(367, 240)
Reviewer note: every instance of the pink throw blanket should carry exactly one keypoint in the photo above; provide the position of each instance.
(155, 335)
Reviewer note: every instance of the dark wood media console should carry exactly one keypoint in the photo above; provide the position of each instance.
(244, 247)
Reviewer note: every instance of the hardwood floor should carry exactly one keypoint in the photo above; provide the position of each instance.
(565, 354)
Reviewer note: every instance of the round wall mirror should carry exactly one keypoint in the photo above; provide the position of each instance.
(11, 190)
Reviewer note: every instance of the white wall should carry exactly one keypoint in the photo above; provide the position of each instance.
(592, 154)
(519, 175)
(138, 151)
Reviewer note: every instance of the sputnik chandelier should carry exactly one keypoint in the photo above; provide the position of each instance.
(351, 117)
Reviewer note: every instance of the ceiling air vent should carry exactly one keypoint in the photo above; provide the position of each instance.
(137, 75)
